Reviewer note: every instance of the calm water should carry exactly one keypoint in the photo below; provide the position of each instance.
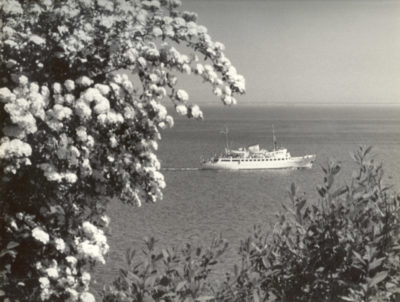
(200, 204)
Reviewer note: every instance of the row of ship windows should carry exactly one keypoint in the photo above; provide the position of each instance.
(252, 159)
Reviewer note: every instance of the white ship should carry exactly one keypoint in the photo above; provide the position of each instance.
(253, 157)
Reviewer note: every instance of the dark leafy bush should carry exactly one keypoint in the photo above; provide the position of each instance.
(167, 274)
(343, 247)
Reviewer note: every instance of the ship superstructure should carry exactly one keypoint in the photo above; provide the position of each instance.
(253, 157)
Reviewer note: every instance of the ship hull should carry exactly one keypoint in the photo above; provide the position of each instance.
(243, 164)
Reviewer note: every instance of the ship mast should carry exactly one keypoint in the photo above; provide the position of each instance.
(226, 131)
(273, 137)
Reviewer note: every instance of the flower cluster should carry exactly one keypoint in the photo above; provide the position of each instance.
(60, 275)
(40, 235)
(16, 153)
(93, 245)
(63, 280)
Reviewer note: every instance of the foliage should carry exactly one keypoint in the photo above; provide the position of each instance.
(168, 274)
(345, 247)
(75, 129)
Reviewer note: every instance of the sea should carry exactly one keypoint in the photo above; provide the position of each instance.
(199, 205)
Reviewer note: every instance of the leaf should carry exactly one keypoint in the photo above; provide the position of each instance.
(134, 278)
(148, 299)
(204, 298)
(12, 244)
(150, 281)
(180, 286)
(165, 254)
(165, 281)
(293, 189)
(379, 277)
(354, 156)
(358, 256)
(236, 270)
(300, 205)
(340, 191)
(348, 299)
(321, 191)
(374, 264)
(366, 151)
(329, 181)
(129, 256)
(272, 297)
(123, 273)
(256, 298)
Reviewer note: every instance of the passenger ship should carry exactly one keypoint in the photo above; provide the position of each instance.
(253, 157)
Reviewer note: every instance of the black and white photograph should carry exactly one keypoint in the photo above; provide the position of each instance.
(200, 150)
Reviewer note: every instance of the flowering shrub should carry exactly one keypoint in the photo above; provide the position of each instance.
(75, 129)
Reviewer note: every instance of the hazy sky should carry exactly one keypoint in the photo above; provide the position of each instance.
(308, 51)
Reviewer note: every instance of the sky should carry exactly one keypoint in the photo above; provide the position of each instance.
(293, 52)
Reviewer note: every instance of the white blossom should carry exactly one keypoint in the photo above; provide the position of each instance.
(60, 244)
(37, 40)
(40, 235)
(227, 91)
(52, 271)
(12, 7)
(129, 112)
(102, 106)
(104, 89)
(57, 88)
(227, 100)
(69, 99)
(157, 31)
(44, 282)
(84, 81)
(142, 62)
(86, 279)
(70, 177)
(196, 112)
(113, 142)
(83, 110)
(14, 149)
(217, 91)
(170, 121)
(182, 95)
(73, 295)
(181, 109)
(199, 69)
(69, 85)
(81, 133)
(71, 260)
(86, 297)
(61, 112)
(186, 69)
(22, 80)
(105, 219)
(6, 95)
(90, 250)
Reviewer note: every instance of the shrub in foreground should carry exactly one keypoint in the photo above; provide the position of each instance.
(75, 130)
(343, 247)
(167, 274)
